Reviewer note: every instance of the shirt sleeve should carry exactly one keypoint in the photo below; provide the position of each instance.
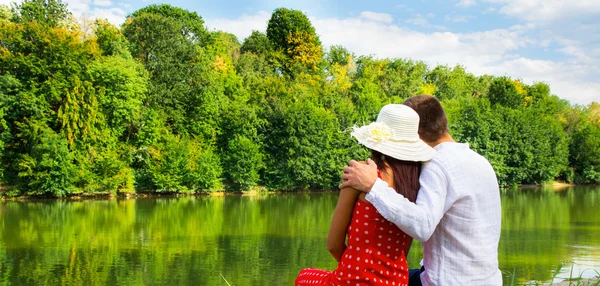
(419, 219)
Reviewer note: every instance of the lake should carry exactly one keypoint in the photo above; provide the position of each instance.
(257, 240)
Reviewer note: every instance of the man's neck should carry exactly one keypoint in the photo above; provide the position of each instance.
(446, 137)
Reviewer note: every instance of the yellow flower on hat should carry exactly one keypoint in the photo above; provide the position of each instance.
(378, 132)
(375, 132)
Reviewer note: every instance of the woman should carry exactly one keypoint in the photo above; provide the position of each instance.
(376, 250)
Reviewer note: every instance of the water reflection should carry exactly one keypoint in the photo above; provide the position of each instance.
(254, 240)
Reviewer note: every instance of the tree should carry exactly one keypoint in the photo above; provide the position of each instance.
(169, 42)
(122, 88)
(243, 160)
(47, 166)
(304, 51)
(5, 12)
(594, 113)
(503, 92)
(299, 132)
(451, 83)
(110, 40)
(298, 48)
(284, 22)
(339, 55)
(366, 92)
(585, 154)
(165, 105)
(48, 13)
(401, 79)
(257, 43)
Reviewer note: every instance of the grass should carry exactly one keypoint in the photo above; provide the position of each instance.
(571, 281)
(225, 280)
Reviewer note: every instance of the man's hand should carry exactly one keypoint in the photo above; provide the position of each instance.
(359, 176)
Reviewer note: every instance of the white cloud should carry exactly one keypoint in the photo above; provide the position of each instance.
(568, 27)
(420, 20)
(102, 2)
(243, 26)
(97, 9)
(457, 18)
(489, 10)
(466, 3)
(489, 52)
(548, 10)
(115, 16)
(377, 17)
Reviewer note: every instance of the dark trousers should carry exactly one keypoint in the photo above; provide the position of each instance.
(414, 276)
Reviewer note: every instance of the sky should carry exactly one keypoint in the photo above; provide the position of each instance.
(551, 41)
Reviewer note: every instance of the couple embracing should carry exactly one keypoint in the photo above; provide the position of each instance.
(420, 184)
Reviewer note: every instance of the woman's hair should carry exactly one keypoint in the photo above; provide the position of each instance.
(406, 174)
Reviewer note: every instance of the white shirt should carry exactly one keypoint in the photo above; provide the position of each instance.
(456, 216)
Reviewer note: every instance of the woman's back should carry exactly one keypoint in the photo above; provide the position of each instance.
(376, 250)
(376, 247)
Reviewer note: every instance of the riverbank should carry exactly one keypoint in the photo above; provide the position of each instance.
(255, 191)
(84, 196)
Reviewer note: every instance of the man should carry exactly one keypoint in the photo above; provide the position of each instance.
(457, 213)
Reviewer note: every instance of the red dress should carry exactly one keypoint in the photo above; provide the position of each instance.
(376, 253)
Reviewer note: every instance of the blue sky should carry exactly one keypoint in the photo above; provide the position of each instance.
(552, 41)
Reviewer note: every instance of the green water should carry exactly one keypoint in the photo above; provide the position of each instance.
(254, 240)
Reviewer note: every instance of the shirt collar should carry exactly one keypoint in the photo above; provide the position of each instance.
(451, 145)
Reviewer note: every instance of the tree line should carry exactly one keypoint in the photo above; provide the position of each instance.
(164, 104)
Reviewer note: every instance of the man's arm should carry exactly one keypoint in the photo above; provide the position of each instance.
(419, 219)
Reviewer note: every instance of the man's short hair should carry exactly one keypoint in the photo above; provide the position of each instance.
(433, 122)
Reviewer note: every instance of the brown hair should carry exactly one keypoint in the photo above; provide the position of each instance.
(432, 117)
(405, 173)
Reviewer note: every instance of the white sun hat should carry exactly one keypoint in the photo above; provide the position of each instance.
(395, 134)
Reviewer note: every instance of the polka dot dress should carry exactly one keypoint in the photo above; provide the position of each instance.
(376, 253)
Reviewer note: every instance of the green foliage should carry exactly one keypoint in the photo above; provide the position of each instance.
(122, 84)
(522, 145)
(503, 92)
(451, 83)
(339, 55)
(185, 81)
(110, 40)
(47, 168)
(366, 93)
(183, 165)
(5, 12)
(298, 134)
(284, 22)
(3, 134)
(257, 43)
(585, 154)
(103, 169)
(401, 79)
(163, 104)
(242, 160)
(295, 41)
(49, 13)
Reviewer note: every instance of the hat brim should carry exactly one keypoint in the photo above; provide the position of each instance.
(416, 151)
